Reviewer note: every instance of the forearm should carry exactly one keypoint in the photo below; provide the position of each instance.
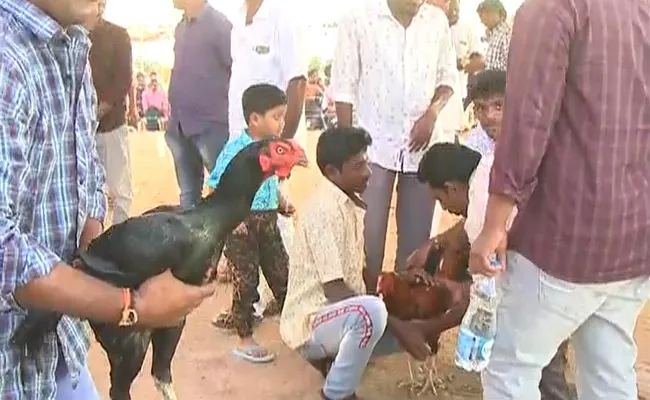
(498, 211)
(295, 102)
(440, 99)
(344, 114)
(71, 292)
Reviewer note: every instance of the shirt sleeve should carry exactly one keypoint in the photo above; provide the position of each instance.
(122, 67)
(222, 39)
(145, 100)
(97, 174)
(22, 257)
(447, 71)
(346, 67)
(291, 38)
(227, 154)
(539, 58)
(325, 238)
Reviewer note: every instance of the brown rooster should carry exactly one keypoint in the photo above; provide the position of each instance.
(409, 300)
(445, 259)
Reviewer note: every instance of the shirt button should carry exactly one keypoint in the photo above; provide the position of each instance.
(81, 181)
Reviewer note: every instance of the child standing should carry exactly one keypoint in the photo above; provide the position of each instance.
(256, 243)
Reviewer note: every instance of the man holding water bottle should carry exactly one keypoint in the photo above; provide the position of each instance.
(573, 156)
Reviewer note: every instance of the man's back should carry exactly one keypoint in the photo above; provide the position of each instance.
(576, 134)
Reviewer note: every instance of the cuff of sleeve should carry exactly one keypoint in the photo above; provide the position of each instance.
(37, 261)
(500, 189)
(344, 98)
(98, 209)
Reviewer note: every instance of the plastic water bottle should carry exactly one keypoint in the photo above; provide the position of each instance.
(478, 328)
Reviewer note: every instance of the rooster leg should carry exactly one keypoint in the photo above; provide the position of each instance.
(433, 382)
(165, 342)
(416, 380)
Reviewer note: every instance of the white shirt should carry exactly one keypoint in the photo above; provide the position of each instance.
(390, 75)
(480, 141)
(269, 50)
(478, 194)
(466, 41)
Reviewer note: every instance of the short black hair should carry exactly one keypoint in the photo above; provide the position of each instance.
(338, 145)
(447, 162)
(261, 98)
(139, 75)
(488, 83)
(492, 5)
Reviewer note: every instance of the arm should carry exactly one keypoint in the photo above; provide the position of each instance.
(31, 275)
(97, 180)
(345, 71)
(226, 155)
(146, 102)
(123, 70)
(534, 94)
(222, 37)
(446, 74)
(294, 69)
(324, 240)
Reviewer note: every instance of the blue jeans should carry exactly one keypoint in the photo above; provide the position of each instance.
(350, 331)
(85, 389)
(193, 153)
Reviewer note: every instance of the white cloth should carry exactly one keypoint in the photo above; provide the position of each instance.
(113, 150)
(478, 198)
(390, 74)
(269, 50)
(466, 41)
(538, 312)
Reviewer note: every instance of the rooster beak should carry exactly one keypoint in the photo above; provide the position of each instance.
(302, 160)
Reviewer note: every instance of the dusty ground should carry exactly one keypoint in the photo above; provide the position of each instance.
(203, 367)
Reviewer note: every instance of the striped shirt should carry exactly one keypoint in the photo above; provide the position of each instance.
(575, 144)
(498, 39)
(50, 182)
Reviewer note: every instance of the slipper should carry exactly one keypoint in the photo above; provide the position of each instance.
(249, 354)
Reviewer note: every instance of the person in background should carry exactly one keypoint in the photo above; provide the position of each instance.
(467, 44)
(140, 87)
(378, 73)
(573, 155)
(198, 95)
(110, 62)
(256, 243)
(450, 120)
(495, 18)
(154, 104)
(52, 204)
(313, 100)
(267, 48)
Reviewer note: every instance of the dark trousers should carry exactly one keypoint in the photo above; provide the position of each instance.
(258, 246)
(553, 385)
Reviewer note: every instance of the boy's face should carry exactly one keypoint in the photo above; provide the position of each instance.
(270, 124)
(454, 198)
(489, 112)
(354, 175)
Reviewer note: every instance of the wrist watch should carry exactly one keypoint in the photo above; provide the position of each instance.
(129, 314)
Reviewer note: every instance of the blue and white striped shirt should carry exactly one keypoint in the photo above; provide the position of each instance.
(51, 181)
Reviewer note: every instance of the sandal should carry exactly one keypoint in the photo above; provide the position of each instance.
(255, 354)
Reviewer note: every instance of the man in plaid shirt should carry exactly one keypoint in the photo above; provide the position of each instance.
(52, 203)
(493, 15)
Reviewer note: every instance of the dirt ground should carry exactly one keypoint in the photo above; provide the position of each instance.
(204, 368)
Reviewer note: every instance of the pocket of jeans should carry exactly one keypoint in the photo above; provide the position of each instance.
(559, 295)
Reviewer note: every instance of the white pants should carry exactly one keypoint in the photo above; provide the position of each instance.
(113, 149)
(538, 312)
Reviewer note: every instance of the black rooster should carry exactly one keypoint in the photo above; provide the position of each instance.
(187, 242)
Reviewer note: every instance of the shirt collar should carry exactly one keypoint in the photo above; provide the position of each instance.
(497, 28)
(199, 16)
(384, 11)
(262, 13)
(33, 18)
(339, 196)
